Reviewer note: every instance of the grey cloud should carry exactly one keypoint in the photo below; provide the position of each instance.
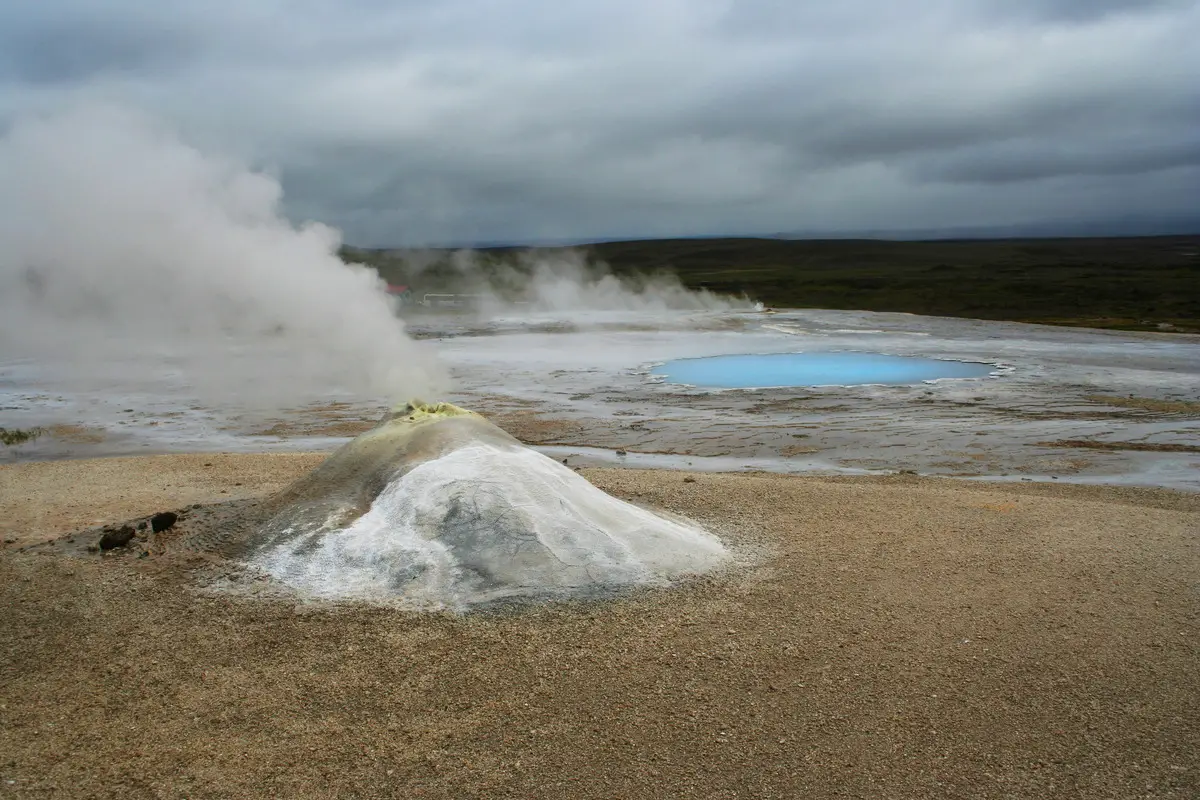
(65, 51)
(1027, 162)
(472, 119)
(1082, 11)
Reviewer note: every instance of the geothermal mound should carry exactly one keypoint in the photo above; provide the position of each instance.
(438, 508)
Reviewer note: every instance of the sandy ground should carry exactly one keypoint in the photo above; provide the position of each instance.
(903, 637)
(44, 499)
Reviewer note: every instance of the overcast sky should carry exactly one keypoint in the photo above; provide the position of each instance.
(418, 121)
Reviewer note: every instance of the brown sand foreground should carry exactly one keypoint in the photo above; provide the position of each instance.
(905, 638)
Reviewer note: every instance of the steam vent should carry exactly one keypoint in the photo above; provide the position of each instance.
(436, 508)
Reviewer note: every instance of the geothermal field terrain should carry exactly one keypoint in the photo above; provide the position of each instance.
(702, 519)
(878, 630)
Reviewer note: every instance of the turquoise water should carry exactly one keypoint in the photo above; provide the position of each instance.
(813, 369)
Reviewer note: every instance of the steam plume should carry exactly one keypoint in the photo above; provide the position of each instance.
(559, 280)
(127, 251)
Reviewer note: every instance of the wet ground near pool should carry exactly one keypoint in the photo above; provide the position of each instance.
(1060, 403)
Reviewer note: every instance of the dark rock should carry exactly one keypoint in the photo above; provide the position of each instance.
(620, 452)
(116, 538)
(689, 480)
(163, 521)
(142, 525)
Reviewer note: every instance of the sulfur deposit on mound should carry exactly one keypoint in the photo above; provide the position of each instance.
(438, 508)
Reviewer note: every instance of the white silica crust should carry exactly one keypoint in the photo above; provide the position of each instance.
(489, 521)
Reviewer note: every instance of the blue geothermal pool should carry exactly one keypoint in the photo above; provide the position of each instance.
(813, 369)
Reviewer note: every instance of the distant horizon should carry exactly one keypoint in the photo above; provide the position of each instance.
(1140, 229)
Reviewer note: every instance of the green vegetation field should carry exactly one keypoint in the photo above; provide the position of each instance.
(1150, 283)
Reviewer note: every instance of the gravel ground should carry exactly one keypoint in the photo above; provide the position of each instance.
(898, 637)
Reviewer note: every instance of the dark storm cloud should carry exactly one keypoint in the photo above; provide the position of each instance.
(472, 119)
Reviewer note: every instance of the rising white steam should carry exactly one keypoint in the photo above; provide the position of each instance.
(567, 280)
(126, 252)
(559, 281)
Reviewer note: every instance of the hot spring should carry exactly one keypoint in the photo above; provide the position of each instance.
(777, 370)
